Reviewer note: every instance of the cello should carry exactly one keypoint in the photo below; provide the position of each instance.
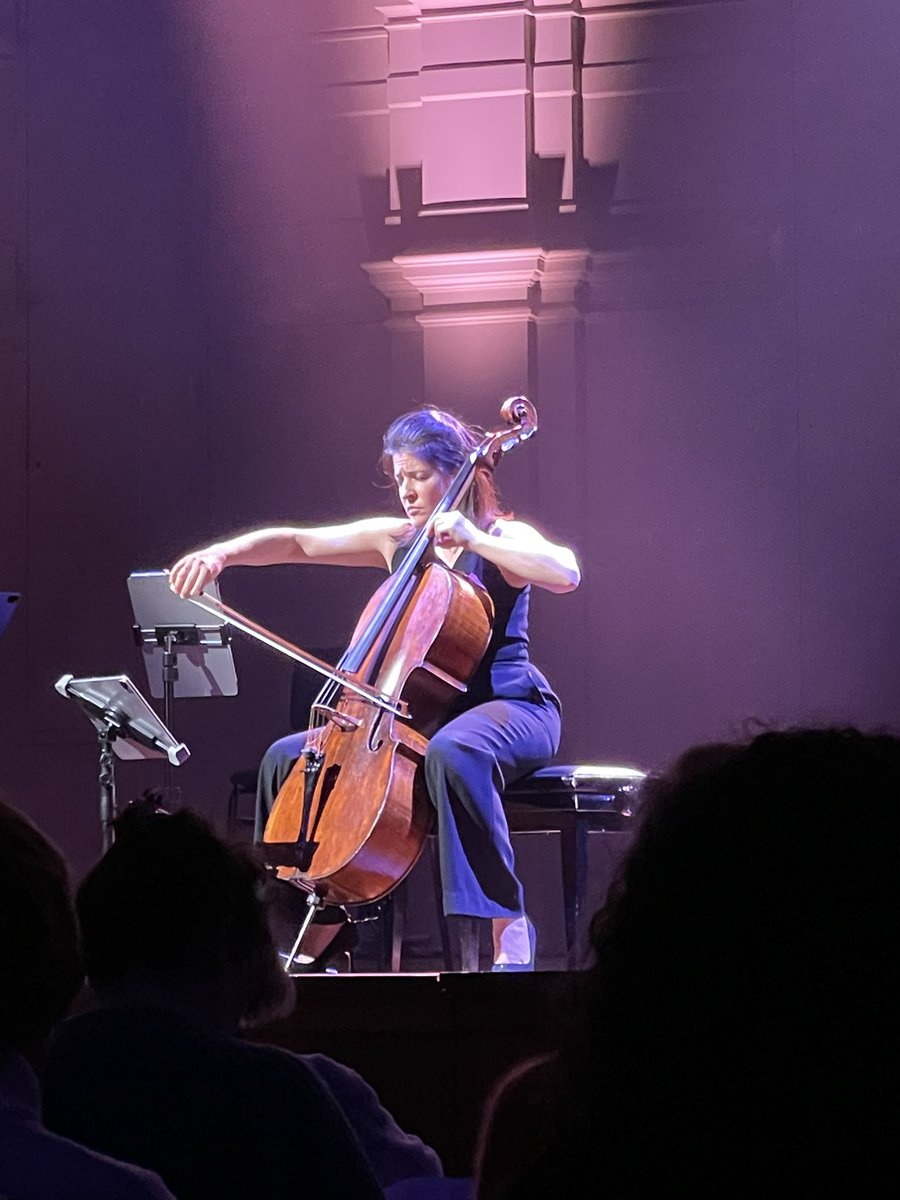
(351, 819)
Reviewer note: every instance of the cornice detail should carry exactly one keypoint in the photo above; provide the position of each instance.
(492, 279)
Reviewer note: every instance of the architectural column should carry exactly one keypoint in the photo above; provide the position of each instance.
(490, 324)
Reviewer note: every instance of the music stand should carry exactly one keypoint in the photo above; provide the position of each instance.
(181, 658)
(8, 602)
(127, 727)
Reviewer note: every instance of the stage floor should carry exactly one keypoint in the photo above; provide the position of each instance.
(538, 865)
(431, 1043)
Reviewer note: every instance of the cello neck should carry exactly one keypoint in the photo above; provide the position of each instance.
(521, 418)
(356, 654)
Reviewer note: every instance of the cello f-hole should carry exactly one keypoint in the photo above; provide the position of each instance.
(376, 741)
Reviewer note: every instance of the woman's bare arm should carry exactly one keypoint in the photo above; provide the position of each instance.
(521, 552)
(369, 542)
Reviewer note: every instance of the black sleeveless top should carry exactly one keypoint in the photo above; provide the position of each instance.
(505, 672)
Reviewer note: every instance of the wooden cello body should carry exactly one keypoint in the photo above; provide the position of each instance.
(367, 813)
(352, 817)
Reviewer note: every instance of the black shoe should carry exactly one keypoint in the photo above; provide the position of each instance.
(344, 941)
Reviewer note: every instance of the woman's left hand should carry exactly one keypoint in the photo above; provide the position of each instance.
(453, 529)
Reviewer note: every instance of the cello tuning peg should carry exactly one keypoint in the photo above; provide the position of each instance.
(518, 410)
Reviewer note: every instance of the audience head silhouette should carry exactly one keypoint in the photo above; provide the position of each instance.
(41, 970)
(178, 949)
(40, 978)
(739, 1018)
(172, 909)
(746, 963)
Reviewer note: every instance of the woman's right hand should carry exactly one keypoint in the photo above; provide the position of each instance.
(190, 575)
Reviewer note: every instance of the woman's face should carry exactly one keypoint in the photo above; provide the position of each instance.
(419, 485)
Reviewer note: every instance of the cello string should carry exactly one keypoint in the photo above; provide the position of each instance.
(326, 696)
(394, 602)
(395, 596)
(391, 607)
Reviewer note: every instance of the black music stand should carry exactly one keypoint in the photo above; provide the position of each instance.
(181, 658)
(127, 727)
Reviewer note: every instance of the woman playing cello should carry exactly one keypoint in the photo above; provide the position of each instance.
(507, 723)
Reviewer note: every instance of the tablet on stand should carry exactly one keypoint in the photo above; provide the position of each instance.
(127, 727)
(182, 656)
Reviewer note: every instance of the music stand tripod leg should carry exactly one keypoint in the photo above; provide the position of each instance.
(170, 678)
(313, 904)
(105, 738)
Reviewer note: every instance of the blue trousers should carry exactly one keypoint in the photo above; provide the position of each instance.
(469, 762)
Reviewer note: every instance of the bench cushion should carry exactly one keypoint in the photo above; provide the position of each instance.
(583, 787)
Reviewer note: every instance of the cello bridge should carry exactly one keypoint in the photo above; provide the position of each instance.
(344, 721)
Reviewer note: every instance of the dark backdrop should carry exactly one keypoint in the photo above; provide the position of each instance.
(188, 346)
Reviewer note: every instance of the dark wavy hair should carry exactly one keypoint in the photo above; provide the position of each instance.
(41, 969)
(443, 441)
(742, 1000)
